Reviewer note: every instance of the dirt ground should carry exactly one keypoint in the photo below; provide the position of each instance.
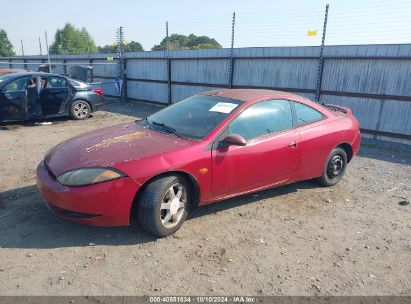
(301, 239)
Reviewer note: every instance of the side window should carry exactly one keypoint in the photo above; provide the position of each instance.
(306, 114)
(56, 82)
(19, 84)
(262, 118)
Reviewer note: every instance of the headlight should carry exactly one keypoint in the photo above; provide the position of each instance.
(88, 176)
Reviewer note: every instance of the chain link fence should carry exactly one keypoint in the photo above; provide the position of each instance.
(337, 63)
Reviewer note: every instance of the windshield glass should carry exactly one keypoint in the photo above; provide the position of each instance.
(194, 117)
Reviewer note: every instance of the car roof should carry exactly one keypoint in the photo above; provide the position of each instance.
(16, 75)
(252, 94)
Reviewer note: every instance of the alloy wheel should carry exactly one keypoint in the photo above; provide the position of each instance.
(81, 110)
(173, 205)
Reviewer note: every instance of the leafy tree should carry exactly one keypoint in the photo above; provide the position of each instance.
(70, 40)
(132, 46)
(6, 48)
(190, 42)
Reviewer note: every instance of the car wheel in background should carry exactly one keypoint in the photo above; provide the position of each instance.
(334, 168)
(80, 110)
(163, 205)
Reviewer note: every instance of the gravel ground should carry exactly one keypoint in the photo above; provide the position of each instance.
(301, 239)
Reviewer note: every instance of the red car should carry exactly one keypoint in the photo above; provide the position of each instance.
(203, 149)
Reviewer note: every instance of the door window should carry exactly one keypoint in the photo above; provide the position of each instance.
(19, 84)
(56, 82)
(305, 114)
(263, 118)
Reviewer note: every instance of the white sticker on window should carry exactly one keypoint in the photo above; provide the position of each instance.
(223, 107)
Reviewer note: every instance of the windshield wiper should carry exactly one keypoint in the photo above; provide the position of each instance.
(168, 128)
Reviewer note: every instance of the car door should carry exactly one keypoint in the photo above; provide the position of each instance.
(13, 100)
(54, 95)
(271, 155)
(316, 139)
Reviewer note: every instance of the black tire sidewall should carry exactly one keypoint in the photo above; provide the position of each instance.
(324, 179)
(149, 211)
(73, 115)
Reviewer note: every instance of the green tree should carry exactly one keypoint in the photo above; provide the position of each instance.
(70, 40)
(190, 42)
(132, 46)
(6, 48)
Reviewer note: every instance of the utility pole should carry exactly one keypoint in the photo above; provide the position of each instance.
(231, 67)
(48, 51)
(321, 62)
(41, 52)
(22, 48)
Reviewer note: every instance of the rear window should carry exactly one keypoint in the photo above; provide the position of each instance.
(306, 114)
(77, 83)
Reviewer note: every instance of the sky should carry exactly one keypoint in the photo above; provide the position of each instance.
(258, 23)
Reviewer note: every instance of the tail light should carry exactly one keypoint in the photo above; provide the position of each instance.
(98, 91)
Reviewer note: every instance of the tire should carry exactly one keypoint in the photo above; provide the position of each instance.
(334, 168)
(80, 110)
(157, 211)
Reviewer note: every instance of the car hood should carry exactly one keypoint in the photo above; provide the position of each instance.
(109, 146)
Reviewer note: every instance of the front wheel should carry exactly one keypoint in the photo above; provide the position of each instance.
(163, 205)
(334, 168)
(80, 110)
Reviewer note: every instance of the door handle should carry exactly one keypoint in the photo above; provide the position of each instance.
(292, 144)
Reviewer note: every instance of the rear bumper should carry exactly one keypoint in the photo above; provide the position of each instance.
(97, 101)
(98, 107)
(103, 204)
(356, 143)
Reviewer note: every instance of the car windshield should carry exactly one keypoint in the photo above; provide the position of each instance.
(194, 117)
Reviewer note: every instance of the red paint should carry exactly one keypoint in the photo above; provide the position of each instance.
(142, 154)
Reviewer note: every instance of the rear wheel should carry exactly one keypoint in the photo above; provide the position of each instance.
(334, 168)
(163, 205)
(80, 110)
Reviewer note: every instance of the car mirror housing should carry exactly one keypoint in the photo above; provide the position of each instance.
(234, 140)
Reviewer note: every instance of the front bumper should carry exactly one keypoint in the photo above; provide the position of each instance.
(104, 204)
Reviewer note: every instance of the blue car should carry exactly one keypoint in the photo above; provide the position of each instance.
(35, 95)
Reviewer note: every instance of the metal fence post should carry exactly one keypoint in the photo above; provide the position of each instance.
(168, 67)
(41, 51)
(25, 64)
(65, 67)
(48, 51)
(120, 41)
(321, 62)
(10, 64)
(22, 48)
(231, 67)
(125, 78)
(91, 71)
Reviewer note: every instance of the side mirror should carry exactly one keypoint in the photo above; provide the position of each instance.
(234, 140)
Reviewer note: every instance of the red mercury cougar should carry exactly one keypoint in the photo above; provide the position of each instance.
(203, 149)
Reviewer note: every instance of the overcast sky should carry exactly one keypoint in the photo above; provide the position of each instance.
(258, 22)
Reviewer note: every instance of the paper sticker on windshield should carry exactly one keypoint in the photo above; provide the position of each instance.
(224, 107)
